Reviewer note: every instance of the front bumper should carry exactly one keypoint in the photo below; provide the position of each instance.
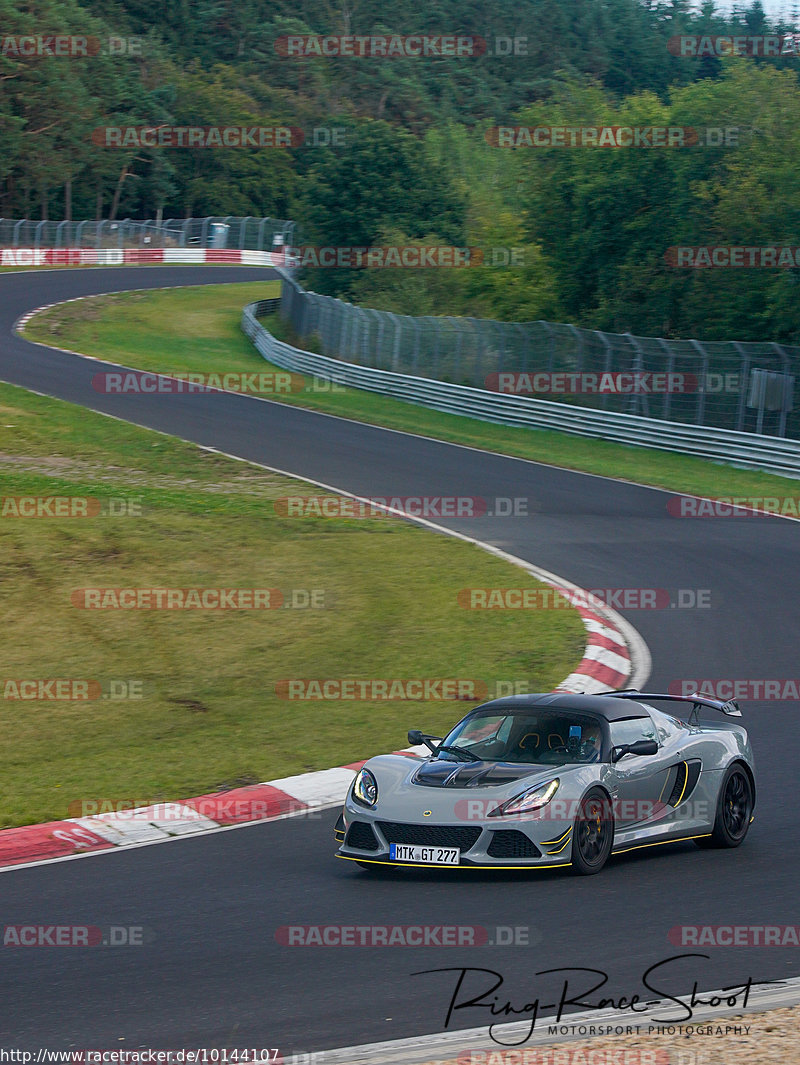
(494, 844)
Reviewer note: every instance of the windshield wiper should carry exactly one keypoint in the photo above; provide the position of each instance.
(451, 749)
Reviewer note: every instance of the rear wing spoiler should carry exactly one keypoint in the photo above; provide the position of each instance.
(697, 699)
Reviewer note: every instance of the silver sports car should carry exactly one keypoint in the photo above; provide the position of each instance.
(539, 781)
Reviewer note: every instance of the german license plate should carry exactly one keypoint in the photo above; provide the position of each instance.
(403, 852)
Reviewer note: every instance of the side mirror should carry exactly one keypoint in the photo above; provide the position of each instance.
(417, 736)
(641, 747)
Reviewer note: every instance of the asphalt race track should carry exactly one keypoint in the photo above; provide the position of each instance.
(211, 974)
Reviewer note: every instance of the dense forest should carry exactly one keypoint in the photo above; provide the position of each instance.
(406, 149)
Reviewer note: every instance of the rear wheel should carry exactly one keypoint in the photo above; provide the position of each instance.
(734, 809)
(592, 834)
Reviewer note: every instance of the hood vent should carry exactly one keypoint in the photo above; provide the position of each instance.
(438, 773)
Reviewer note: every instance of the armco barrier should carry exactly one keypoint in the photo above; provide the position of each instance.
(747, 387)
(749, 450)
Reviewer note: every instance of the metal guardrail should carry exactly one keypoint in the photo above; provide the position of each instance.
(745, 386)
(773, 454)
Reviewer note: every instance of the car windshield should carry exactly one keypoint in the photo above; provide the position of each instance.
(538, 737)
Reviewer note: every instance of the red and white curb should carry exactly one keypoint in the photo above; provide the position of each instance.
(136, 256)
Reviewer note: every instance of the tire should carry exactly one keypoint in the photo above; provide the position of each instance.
(734, 809)
(592, 834)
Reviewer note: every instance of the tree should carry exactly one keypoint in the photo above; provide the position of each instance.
(381, 181)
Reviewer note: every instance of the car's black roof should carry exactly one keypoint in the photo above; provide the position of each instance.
(605, 706)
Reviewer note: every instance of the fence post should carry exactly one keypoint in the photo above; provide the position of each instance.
(670, 368)
(638, 402)
(416, 324)
(579, 344)
(379, 343)
(552, 342)
(458, 325)
(701, 395)
(609, 351)
(519, 361)
(342, 318)
(786, 367)
(396, 345)
(744, 371)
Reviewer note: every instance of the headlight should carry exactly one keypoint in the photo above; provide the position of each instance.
(365, 788)
(530, 800)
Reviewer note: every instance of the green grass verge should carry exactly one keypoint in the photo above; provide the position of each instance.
(198, 330)
(209, 716)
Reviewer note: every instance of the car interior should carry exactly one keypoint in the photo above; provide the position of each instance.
(544, 739)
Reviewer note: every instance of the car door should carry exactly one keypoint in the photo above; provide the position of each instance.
(638, 781)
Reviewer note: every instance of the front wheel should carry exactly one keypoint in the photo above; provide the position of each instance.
(734, 809)
(592, 834)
